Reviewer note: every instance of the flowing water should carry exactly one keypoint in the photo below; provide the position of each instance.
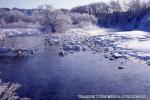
(47, 76)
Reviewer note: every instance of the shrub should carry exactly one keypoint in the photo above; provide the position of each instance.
(79, 19)
(8, 91)
(55, 20)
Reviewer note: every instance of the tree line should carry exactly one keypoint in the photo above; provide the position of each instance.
(46, 17)
(115, 13)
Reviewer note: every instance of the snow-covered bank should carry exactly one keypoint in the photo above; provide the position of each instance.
(11, 32)
(114, 44)
(129, 43)
(136, 42)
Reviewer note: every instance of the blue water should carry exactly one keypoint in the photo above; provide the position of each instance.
(46, 76)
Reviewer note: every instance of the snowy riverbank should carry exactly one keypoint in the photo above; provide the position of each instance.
(113, 43)
(12, 32)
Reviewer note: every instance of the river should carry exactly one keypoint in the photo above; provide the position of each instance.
(47, 76)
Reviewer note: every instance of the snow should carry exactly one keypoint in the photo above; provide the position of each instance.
(120, 43)
(132, 34)
(130, 43)
(136, 45)
(117, 55)
(11, 32)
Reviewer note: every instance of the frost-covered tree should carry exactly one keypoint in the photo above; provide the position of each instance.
(96, 9)
(13, 16)
(2, 22)
(8, 91)
(131, 5)
(100, 8)
(115, 6)
(53, 19)
(78, 18)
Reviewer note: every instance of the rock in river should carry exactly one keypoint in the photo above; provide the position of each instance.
(120, 67)
(148, 62)
(116, 55)
(67, 47)
(61, 53)
(77, 47)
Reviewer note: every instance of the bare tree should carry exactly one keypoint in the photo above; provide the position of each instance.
(115, 6)
(54, 19)
(132, 5)
(78, 18)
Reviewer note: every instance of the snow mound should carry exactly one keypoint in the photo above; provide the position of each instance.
(12, 32)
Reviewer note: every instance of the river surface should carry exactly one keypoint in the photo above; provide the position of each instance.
(47, 76)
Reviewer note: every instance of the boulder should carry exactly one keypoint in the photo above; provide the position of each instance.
(111, 58)
(67, 47)
(61, 53)
(106, 49)
(50, 42)
(148, 62)
(106, 55)
(116, 55)
(120, 67)
(84, 48)
(71, 42)
(77, 47)
(97, 41)
(56, 41)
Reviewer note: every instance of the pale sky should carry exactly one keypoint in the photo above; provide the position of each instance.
(36, 3)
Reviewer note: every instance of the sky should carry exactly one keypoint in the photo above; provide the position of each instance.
(35, 3)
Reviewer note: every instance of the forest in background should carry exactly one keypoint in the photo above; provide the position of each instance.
(134, 14)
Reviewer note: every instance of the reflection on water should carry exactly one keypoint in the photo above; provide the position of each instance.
(46, 76)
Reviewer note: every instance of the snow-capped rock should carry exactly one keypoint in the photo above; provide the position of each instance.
(148, 62)
(107, 49)
(106, 55)
(56, 41)
(67, 47)
(97, 41)
(76, 48)
(61, 53)
(84, 48)
(11, 33)
(111, 58)
(117, 55)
